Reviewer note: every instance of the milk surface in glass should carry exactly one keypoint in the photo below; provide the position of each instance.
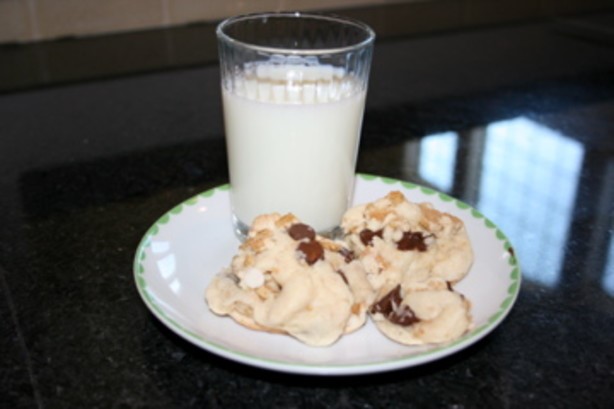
(292, 133)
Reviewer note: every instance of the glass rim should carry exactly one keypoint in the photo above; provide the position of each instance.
(370, 34)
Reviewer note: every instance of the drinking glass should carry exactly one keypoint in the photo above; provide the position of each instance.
(293, 92)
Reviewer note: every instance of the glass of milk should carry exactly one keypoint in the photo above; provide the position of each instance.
(293, 91)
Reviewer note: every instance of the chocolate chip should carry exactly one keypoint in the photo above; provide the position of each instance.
(391, 307)
(301, 231)
(449, 284)
(403, 316)
(348, 255)
(366, 236)
(345, 279)
(312, 250)
(412, 241)
(385, 304)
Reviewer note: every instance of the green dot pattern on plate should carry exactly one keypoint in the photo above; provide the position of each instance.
(512, 290)
(445, 197)
(462, 205)
(409, 185)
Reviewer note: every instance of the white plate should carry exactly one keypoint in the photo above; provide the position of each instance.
(188, 245)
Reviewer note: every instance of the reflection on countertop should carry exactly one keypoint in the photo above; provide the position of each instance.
(525, 177)
(516, 121)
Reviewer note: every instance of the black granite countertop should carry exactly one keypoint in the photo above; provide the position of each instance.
(516, 120)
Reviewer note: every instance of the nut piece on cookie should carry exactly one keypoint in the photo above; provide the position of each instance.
(287, 279)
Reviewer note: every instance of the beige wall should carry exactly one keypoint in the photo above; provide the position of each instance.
(35, 20)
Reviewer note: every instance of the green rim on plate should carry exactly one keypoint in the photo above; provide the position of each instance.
(469, 338)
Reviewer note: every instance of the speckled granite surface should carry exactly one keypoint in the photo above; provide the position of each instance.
(520, 121)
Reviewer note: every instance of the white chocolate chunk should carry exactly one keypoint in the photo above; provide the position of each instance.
(253, 278)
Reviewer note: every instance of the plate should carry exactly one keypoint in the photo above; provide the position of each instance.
(188, 245)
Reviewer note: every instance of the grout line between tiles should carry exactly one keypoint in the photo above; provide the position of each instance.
(20, 339)
(166, 13)
(35, 33)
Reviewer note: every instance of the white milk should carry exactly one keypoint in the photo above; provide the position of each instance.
(292, 136)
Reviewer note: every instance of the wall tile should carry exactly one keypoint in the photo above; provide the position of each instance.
(188, 11)
(59, 18)
(32, 20)
(15, 21)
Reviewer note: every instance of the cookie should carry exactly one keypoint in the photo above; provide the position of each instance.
(412, 255)
(287, 279)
